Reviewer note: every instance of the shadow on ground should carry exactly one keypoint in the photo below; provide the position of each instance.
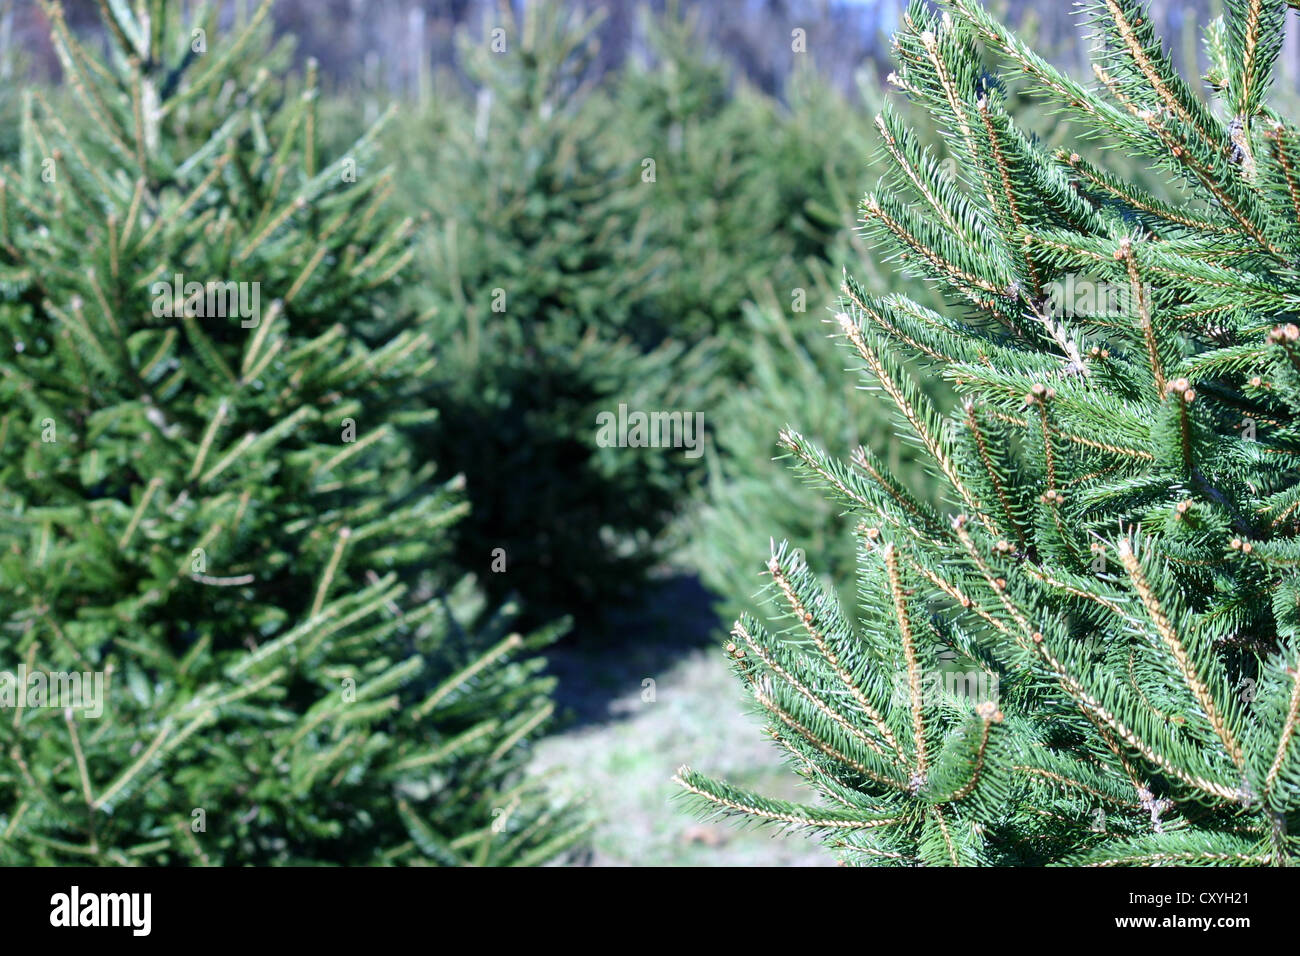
(597, 671)
(652, 694)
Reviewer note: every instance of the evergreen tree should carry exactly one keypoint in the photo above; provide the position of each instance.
(208, 496)
(541, 266)
(753, 496)
(745, 182)
(1096, 658)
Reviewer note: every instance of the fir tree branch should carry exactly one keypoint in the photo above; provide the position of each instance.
(739, 631)
(819, 639)
(1287, 734)
(904, 621)
(1164, 627)
(737, 801)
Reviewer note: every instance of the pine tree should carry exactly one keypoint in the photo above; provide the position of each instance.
(208, 495)
(542, 265)
(741, 201)
(753, 495)
(1094, 657)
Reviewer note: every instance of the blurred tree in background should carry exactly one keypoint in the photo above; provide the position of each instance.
(391, 46)
(590, 246)
(540, 270)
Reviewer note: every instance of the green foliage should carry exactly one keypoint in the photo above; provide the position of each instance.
(752, 494)
(786, 359)
(10, 103)
(539, 262)
(1096, 659)
(210, 499)
(590, 246)
(744, 198)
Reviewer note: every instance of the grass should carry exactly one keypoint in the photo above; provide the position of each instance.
(624, 743)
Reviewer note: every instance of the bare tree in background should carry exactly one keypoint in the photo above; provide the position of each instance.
(393, 47)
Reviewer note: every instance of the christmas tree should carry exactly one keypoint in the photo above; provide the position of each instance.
(541, 269)
(753, 496)
(225, 631)
(1087, 649)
